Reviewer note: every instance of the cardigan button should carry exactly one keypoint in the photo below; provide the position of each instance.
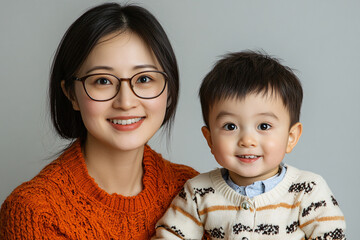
(244, 238)
(245, 205)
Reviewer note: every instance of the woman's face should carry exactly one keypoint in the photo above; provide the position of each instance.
(125, 122)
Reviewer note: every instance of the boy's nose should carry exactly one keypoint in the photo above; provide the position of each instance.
(247, 140)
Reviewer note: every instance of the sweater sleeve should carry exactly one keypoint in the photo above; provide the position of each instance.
(181, 220)
(25, 217)
(320, 215)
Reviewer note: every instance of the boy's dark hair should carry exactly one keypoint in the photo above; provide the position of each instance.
(242, 73)
(80, 39)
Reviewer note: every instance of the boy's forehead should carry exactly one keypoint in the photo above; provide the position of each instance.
(251, 102)
(270, 96)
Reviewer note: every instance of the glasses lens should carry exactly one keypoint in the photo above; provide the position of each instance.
(148, 84)
(101, 86)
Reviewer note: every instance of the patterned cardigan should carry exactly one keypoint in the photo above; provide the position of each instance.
(301, 206)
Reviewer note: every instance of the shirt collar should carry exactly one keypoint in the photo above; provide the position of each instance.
(258, 187)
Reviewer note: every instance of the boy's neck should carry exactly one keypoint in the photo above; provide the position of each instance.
(246, 181)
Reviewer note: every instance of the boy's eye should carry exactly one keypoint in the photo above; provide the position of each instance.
(230, 127)
(264, 126)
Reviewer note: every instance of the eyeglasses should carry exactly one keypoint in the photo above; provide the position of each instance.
(104, 86)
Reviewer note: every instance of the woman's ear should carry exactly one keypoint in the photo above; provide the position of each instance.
(168, 104)
(294, 136)
(207, 134)
(73, 100)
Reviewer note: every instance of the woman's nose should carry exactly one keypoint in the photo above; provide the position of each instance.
(125, 99)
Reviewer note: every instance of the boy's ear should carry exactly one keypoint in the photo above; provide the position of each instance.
(207, 135)
(73, 100)
(294, 136)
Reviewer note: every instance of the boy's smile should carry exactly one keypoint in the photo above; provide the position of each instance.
(250, 137)
(248, 158)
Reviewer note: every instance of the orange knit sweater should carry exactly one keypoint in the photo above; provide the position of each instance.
(64, 202)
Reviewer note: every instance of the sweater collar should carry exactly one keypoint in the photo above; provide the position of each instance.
(72, 160)
(258, 187)
(261, 200)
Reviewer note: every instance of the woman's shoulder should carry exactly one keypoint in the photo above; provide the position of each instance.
(34, 201)
(29, 194)
(178, 167)
(174, 174)
(27, 202)
(38, 191)
(164, 177)
(170, 169)
(38, 188)
(176, 170)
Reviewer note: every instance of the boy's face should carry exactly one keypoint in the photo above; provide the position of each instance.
(250, 137)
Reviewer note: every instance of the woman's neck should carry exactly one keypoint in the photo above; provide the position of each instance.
(113, 170)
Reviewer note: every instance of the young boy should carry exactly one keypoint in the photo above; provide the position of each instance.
(251, 108)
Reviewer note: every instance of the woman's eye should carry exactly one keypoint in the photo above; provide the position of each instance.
(143, 79)
(103, 81)
(230, 127)
(264, 126)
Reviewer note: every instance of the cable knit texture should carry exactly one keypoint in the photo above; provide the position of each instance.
(64, 202)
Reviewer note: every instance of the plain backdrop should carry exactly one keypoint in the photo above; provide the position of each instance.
(320, 39)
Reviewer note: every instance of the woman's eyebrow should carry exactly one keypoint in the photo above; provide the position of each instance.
(112, 69)
(99, 68)
(145, 66)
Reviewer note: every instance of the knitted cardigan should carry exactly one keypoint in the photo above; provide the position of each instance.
(301, 206)
(64, 202)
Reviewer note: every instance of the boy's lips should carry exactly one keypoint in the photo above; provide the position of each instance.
(248, 158)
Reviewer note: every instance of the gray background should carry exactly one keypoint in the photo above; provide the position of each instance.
(320, 39)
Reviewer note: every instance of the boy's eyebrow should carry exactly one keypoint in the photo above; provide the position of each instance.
(269, 114)
(224, 113)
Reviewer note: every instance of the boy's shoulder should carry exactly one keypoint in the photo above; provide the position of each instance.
(304, 175)
(305, 180)
(204, 180)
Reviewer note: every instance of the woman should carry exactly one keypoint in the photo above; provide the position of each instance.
(114, 83)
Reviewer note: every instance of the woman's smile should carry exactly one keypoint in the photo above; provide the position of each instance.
(127, 124)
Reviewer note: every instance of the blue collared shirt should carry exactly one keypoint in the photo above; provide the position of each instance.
(258, 187)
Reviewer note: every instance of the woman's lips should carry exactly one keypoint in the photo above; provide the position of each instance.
(125, 121)
(126, 124)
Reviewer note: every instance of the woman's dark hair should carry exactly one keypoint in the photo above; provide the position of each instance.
(80, 39)
(241, 73)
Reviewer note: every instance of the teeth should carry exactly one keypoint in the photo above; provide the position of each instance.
(125, 122)
(249, 156)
